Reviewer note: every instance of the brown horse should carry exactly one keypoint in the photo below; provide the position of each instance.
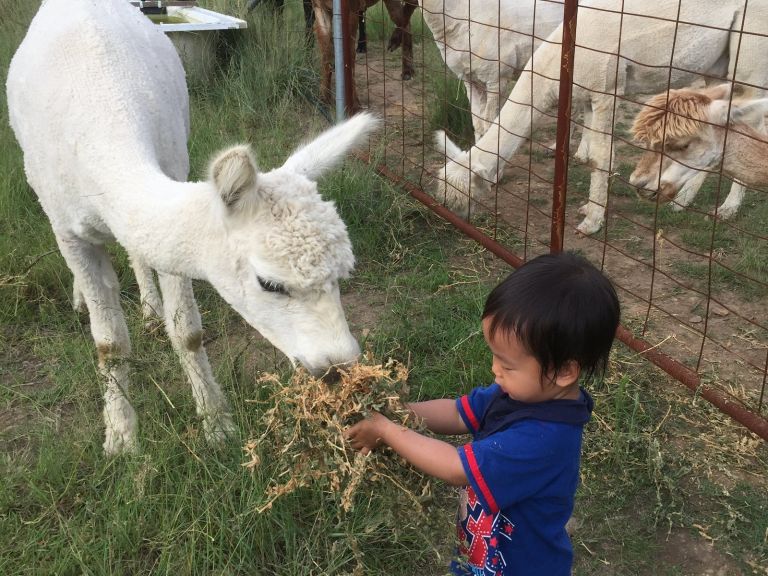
(399, 11)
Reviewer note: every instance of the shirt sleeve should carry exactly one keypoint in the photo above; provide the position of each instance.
(472, 406)
(520, 462)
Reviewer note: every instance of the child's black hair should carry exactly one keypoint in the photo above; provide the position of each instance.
(560, 308)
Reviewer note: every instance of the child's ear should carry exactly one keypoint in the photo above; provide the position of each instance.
(568, 374)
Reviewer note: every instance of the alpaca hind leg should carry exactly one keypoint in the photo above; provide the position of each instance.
(151, 303)
(184, 327)
(100, 289)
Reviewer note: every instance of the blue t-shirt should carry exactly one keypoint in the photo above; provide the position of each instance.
(523, 470)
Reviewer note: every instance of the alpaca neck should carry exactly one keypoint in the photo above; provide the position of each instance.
(745, 154)
(176, 227)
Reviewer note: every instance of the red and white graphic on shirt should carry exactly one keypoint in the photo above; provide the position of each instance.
(480, 533)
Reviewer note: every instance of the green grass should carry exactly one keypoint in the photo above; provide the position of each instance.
(655, 460)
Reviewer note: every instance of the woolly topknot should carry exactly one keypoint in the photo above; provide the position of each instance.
(683, 110)
(312, 239)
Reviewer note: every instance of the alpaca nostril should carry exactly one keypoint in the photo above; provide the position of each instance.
(332, 375)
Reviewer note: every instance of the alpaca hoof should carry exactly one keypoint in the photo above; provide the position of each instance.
(407, 74)
(362, 48)
(218, 429)
(453, 199)
(117, 443)
(724, 213)
(594, 218)
(675, 207)
(153, 325)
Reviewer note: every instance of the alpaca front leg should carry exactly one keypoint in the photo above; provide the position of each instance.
(688, 192)
(100, 289)
(599, 134)
(732, 202)
(491, 109)
(78, 300)
(730, 205)
(151, 303)
(582, 152)
(478, 100)
(184, 327)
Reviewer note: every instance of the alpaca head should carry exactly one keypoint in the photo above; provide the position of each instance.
(286, 248)
(458, 183)
(684, 131)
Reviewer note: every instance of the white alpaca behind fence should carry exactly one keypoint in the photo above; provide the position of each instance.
(642, 33)
(98, 102)
(689, 127)
(486, 44)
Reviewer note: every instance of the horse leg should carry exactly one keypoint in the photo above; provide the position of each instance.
(362, 37)
(324, 36)
(352, 25)
(401, 36)
(309, 16)
(185, 330)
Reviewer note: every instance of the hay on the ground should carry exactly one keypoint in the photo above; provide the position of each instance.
(302, 436)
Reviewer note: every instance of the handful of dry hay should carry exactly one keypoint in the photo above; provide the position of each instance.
(303, 435)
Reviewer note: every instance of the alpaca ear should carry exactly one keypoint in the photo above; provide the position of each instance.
(329, 148)
(750, 112)
(718, 112)
(446, 146)
(719, 92)
(233, 172)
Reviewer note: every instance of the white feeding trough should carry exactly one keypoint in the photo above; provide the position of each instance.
(193, 30)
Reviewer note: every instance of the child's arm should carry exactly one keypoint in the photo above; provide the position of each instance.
(431, 456)
(440, 416)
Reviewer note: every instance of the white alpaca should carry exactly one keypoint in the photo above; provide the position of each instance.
(689, 126)
(486, 44)
(647, 32)
(98, 102)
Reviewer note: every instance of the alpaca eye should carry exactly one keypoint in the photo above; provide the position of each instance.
(271, 286)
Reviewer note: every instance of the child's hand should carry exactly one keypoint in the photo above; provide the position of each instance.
(366, 435)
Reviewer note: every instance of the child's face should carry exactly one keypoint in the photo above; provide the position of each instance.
(519, 374)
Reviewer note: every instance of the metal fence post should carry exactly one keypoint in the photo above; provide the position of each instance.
(562, 140)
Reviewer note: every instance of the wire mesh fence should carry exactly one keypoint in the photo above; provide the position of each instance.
(667, 197)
